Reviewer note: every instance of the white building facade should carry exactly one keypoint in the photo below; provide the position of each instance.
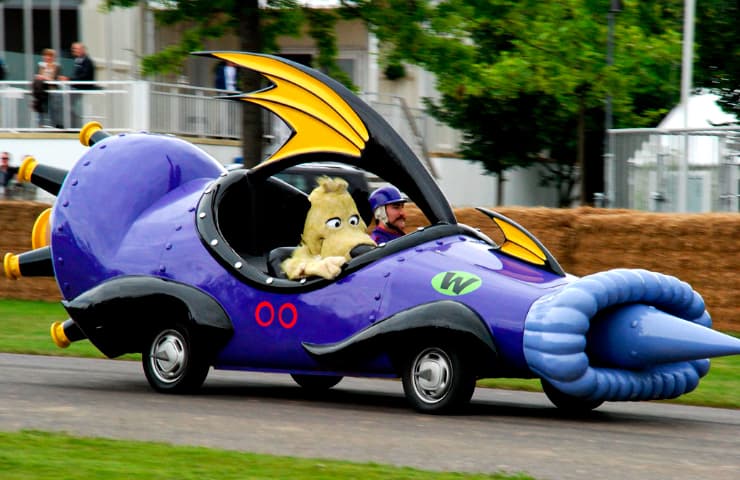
(117, 40)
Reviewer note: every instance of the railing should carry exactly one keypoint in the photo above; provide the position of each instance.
(684, 170)
(68, 108)
(196, 111)
(185, 110)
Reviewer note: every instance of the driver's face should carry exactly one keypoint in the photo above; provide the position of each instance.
(396, 215)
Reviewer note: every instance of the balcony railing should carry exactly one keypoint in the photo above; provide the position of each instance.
(184, 110)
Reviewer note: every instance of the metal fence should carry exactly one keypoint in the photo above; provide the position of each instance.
(682, 170)
(67, 107)
(195, 111)
(186, 110)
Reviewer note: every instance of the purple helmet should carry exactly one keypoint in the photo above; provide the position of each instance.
(384, 196)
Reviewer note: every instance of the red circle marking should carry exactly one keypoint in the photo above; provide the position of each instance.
(293, 310)
(257, 310)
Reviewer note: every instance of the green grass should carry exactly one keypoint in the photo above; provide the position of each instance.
(41, 456)
(26, 325)
(720, 388)
(25, 329)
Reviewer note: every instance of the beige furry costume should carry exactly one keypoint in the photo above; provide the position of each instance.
(333, 228)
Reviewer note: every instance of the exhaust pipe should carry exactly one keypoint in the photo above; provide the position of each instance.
(41, 232)
(45, 177)
(34, 263)
(92, 133)
(63, 334)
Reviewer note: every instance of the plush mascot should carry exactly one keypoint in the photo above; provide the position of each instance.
(333, 228)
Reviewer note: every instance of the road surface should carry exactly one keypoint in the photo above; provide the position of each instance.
(369, 421)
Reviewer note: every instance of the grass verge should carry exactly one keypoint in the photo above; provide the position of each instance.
(51, 456)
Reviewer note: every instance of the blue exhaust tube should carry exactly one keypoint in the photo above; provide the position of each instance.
(623, 335)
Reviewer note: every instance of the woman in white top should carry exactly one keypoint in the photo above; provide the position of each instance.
(48, 106)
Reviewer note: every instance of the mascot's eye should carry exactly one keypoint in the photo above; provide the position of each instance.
(334, 222)
(354, 220)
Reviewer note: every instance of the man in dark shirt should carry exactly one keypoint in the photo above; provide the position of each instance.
(387, 205)
(84, 71)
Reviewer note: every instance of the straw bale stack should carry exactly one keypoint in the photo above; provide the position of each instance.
(16, 222)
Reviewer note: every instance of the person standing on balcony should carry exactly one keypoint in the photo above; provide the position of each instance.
(45, 103)
(4, 164)
(226, 76)
(84, 72)
(7, 172)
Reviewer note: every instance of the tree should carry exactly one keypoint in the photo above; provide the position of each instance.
(717, 61)
(526, 80)
(257, 29)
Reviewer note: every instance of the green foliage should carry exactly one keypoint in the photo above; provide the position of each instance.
(535, 71)
(321, 27)
(212, 19)
(394, 71)
(717, 65)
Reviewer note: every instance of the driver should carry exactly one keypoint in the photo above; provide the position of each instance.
(387, 205)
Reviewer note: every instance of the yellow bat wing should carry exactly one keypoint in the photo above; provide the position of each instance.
(320, 118)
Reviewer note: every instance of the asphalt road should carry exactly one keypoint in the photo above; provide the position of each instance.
(369, 421)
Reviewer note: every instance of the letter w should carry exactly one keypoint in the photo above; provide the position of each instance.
(459, 284)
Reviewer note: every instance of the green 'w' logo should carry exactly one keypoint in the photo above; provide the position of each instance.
(455, 283)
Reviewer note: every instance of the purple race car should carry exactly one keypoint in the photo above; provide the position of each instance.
(157, 249)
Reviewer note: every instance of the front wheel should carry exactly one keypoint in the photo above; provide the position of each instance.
(171, 364)
(438, 379)
(568, 403)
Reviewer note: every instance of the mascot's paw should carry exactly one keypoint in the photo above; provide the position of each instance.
(327, 268)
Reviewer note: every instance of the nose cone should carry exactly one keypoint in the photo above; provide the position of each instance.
(640, 336)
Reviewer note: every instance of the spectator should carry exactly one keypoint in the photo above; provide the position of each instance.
(84, 72)
(4, 164)
(226, 76)
(48, 106)
(7, 172)
(387, 205)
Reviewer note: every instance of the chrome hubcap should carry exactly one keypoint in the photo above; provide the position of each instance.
(168, 357)
(432, 375)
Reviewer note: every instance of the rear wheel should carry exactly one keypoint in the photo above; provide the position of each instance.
(316, 383)
(568, 403)
(172, 362)
(438, 379)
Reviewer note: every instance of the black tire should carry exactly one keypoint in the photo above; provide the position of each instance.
(568, 403)
(438, 378)
(172, 362)
(316, 383)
